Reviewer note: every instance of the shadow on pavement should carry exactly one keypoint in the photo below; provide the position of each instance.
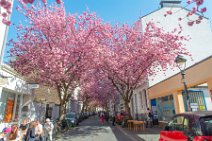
(124, 134)
(95, 128)
(150, 134)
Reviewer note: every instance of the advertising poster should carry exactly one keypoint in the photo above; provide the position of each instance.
(8, 111)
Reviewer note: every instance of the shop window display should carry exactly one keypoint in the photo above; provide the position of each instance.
(165, 107)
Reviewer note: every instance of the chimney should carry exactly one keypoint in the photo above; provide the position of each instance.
(170, 3)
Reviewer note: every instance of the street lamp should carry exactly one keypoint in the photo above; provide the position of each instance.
(181, 64)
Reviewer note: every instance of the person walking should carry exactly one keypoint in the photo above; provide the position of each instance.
(23, 129)
(30, 135)
(48, 130)
(39, 133)
(102, 117)
(149, 120)
(113, 119)
(107, 117)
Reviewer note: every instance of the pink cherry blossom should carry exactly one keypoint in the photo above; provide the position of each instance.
(189, 1)
(169, 12)
(6, 22)
(4, 15)
(203, 10)
(134, 55)
(190, 23)
(31, 1)
(44, 1)
(26, 1)
(59, 1)
(56, 48)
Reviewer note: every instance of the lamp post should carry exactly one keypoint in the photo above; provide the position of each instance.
(181, 64)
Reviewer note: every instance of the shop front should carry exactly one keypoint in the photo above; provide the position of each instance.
(9, 106)
(197, 100)
(163, 108)
(171, 98)
(12, 95)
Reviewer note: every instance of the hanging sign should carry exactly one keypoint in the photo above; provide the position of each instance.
(3, 81)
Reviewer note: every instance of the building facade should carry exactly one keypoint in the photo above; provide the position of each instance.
(166, 91)
(16, 97)
(139, 103)
(74, 105)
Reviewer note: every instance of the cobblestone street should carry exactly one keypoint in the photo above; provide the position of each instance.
(92, 130)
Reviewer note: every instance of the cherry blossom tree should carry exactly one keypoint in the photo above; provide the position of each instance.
(66, 51)
(197, 8)
(133, 56)
(7, 6)
(55, 48)
(96, 89)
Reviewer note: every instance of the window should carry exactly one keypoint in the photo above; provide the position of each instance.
(196, 128)
(206, 124)
(186, 124)
(177, 123)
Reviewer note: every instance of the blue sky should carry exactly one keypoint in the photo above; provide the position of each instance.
(112, 11)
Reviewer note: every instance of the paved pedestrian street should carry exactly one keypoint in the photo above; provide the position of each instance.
(92, 130)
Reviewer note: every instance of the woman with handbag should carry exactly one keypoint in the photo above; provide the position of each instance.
(30, 136)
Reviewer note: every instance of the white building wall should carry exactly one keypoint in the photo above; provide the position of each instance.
(200, 45)
(3, 32)
(139, 103)
(16, 87)
(14, 83)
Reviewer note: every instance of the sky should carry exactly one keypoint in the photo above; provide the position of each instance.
(111, 11)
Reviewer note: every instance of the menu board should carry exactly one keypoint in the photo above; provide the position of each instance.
(8, 111)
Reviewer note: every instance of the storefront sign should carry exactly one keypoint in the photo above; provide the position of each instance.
(33, 86)
(194, 106)
(3, 81)
(201, 107)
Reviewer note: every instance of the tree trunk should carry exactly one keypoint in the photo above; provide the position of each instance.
(83, 108)
(127, 107)
(62, 109)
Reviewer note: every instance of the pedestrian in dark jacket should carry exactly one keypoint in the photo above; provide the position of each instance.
(149, 120)
(30, 136)
(107, 116)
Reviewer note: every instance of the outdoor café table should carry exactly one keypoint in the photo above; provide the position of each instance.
(138, 125)
(130, 124)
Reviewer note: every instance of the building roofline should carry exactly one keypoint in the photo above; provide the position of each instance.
(173, 7)
(179, 72)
